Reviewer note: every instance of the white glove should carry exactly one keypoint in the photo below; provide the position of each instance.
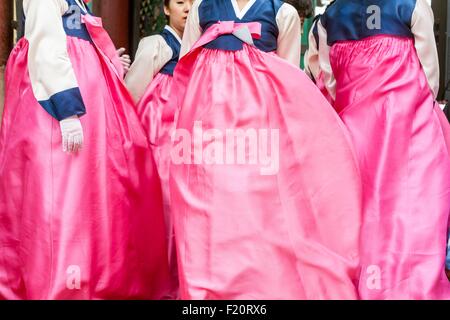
(72, 134)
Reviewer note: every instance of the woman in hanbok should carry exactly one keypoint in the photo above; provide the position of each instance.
(81, 212)
(265, 188)
(380, 65)
(150, 82)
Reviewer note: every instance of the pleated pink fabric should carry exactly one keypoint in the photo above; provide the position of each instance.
(402, 140)
(85, 226)
(156, 112)
(280, 221)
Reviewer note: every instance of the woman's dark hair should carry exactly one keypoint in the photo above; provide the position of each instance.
(304, 8)
(166, 4)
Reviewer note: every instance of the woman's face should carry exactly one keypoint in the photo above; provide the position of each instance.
(177, 11)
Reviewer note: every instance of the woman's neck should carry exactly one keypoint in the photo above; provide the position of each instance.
(242, 3)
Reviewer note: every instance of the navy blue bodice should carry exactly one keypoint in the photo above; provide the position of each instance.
(359, 19)
(175, 45)
(71, 21)
(262, 11)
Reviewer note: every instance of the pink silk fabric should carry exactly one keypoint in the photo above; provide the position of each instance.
(320, 83)
(402, 141)
(79, 226)
(243, 235)
(157, 115)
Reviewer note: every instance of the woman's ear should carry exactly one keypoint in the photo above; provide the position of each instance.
(166, 11)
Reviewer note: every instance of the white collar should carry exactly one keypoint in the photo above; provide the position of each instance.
(175, 34)
(82, 5)
(241, 13)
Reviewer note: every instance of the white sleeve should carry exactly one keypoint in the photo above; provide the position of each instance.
(152, 55)
(50, 69)
(422, 27)
(192, 30)
(289, 38)
(324, 61)
(312, 68)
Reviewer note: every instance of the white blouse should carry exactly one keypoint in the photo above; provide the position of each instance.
(152, 55)
(49, 65)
